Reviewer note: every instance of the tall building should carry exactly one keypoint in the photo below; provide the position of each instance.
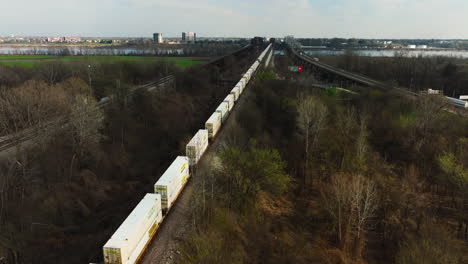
(157, 37)
(189, 36)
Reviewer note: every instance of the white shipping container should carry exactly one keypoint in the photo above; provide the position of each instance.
(243, 83)
(197, 146)
(255, 65)
(213, 124)
(245, 79)
(230, 100)
(241, 89)
(172, 181)
(127, 243)
(247, 74)
(235, 92)
(223, 109)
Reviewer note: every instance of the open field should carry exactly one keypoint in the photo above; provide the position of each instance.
(35, 60)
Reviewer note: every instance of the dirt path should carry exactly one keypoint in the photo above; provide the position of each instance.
(163, 248)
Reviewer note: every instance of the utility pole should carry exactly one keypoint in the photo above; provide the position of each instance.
(89, 78)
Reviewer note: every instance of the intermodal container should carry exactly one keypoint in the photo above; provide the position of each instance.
(235, 92)
(223, 109)
(213, 124)
(197, 146)
(230, 100)
(244, 80)
(242, 83)
(127, 243)
(241, 88)
(247, 76)
(172, 182)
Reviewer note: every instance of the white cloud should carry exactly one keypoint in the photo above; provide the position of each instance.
(308, 18)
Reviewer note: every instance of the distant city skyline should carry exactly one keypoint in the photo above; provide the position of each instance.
(377, 19)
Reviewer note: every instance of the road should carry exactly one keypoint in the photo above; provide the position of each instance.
(176, 225)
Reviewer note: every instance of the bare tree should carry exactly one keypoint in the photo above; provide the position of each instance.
(31, 105)
(364, 202)
(361, 142)
(347, 122)
(428, 109)
(346, 126)
(351, 200)
(85, 122)
(311, 120)
(337, 201)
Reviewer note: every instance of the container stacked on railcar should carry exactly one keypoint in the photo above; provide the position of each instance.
(127, 243)
(230, 100)
(223, 109)
(236, 92)
(213, 124)
(197, 146)
(131, 238)
(172, 182)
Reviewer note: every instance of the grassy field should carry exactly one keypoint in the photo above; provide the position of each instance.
(34, 61)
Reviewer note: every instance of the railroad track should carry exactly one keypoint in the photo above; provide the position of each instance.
(9, 142)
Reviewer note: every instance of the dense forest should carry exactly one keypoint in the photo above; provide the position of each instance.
(306, 175)
(72, 186)
(314, 176)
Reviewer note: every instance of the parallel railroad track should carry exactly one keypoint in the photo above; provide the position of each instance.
(28, 134)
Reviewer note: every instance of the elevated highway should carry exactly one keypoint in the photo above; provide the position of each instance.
(364, 80)
(352, 76)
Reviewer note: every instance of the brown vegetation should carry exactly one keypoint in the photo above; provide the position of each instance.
(386, 182)
(73, 185)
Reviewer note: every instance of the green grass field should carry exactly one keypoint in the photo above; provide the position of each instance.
(34, 61)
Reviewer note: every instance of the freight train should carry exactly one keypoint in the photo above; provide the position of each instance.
(129, 242)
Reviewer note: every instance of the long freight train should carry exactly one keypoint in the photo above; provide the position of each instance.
(129, 242)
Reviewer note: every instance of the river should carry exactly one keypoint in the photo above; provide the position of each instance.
(77, 51)
(124, 51)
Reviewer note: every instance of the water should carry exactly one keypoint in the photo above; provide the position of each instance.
(125, 51)
(391, 53)
(77, 51)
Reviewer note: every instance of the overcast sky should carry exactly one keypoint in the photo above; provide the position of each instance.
(242, 18)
